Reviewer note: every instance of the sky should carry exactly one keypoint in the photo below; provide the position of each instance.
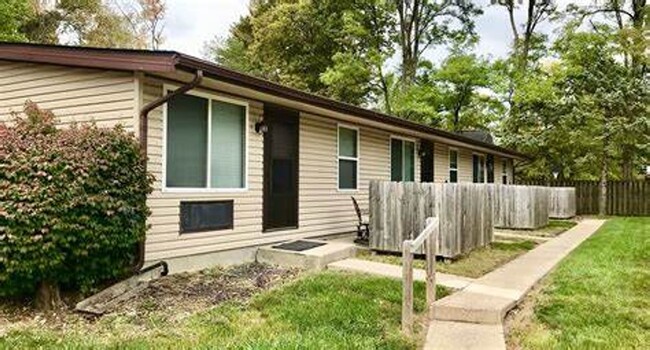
(191, 23)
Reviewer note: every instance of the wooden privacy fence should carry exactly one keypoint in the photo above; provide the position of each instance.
(430, 236)
(561, 202)
(398, 212)
(520, 207)
(629, 198)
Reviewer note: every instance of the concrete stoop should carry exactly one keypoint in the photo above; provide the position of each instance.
(312, 259)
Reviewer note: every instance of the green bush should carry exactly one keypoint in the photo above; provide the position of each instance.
(72, 203)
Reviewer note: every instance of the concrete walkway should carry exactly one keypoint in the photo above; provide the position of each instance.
(473, 317)
(395, 271)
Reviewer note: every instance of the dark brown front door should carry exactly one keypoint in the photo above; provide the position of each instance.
(280, 169)
(426, 161)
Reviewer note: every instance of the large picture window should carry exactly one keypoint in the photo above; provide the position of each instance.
(402, 160)
(205, 144)
(453, 166)
(348, 158)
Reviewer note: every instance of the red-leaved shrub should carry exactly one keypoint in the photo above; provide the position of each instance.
(72, 203)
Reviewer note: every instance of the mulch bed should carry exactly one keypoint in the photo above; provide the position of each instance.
(170, 297)
(207, 288)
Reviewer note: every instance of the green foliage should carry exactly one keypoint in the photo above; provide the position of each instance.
(72, 203)
(13, 16)
(585, 114)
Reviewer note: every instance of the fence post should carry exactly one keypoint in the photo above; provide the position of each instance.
(431, 267)
(407, 288)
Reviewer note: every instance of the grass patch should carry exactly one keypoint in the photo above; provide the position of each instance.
(475, 264)
(328, 310)
(554, 228)
(597, 298)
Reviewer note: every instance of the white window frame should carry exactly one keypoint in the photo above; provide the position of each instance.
(450, 169)
(483, 157)
(390, 155)
(209, 96)
(340, 126)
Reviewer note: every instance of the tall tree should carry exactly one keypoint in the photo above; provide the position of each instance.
(466, 102)
(340, 48)
(584, 111)
(630, 18)
(423, 23)
(526, 37)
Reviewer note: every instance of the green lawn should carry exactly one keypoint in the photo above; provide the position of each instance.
(598, 297)
(328, 310)
(475, 264)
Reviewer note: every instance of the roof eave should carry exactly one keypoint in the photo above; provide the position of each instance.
(189, 63)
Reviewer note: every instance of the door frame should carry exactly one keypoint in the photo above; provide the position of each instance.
(274, 112)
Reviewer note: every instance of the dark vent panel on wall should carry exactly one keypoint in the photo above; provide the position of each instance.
(206, 216)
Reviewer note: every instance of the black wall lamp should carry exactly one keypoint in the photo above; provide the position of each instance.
(261, 127)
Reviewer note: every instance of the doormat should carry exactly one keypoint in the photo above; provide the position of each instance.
(298, 246)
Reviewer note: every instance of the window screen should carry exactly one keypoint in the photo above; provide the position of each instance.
(396, 166)
(206, 216)
(186, 142)
(402, 160)
(348, 158)
(489, 167)
(478, 168)
(453, 166)
(228, 145)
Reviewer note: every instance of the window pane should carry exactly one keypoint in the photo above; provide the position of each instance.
(187, 125)
(347, 174)
(453, 159)
(453, 176)
(490, 168)
(475, 168)
(347, 142)
(228, 145)
(396, 160)
(409, 161)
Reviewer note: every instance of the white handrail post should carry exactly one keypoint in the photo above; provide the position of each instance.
(407, 288)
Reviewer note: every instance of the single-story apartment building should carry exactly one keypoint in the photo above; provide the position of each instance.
(239, 162)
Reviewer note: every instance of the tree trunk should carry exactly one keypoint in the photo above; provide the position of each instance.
(48, 297)
(602, 201)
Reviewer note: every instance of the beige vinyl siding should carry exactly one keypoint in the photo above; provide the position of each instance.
(164, 239)
(323, 208)
(440, 162)
(73, 94)
(464, 165)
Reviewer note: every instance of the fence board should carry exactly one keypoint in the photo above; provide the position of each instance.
(520, 207)
(562, 202)
(626, 198)
(398, 212)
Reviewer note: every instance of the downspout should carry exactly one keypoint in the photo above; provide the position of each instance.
(144, 127)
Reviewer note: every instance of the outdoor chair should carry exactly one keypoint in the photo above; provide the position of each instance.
(363, 227)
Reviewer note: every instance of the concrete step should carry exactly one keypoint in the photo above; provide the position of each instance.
(444, 335)
(312, 259)
(490, 297)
